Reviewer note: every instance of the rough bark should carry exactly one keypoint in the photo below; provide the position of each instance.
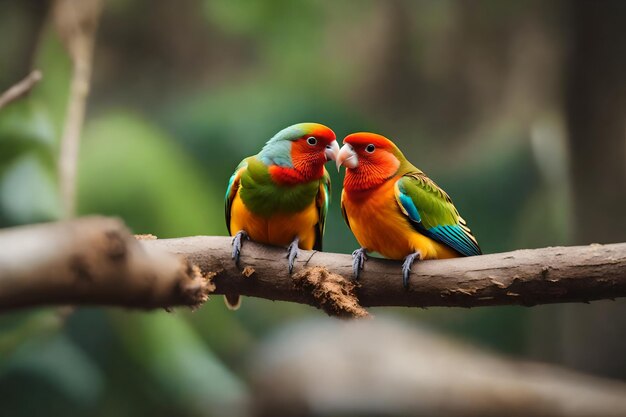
(523, 277)
(92, 261)
(97, 261)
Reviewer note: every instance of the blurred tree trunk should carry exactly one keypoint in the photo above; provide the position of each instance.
(594, 337)
(596, 113)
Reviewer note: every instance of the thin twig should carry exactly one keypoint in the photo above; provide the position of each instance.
(21, 88)
(76, 22)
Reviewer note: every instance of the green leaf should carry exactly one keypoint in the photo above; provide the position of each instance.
(28, 192)
(62, 365)
(131, 169)
(25, 125)
(16, 328)
(167, 347)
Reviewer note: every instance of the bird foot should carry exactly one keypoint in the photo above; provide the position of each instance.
(237, 245)
(406, 267)
(292, 252)
(359, 257)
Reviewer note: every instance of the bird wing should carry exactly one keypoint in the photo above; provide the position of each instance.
(431, 212)
(322, 201)
(231, 190)
(343, 209)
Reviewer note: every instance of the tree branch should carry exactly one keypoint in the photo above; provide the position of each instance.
(523, 277)
(21, 88)
(92, 261)
(97, 261)
(413, 371)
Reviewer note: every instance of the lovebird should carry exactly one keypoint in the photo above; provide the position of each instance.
(394, 209)
(280, 196)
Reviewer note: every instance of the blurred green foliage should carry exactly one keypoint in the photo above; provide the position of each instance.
(27, 164)
(148, 177)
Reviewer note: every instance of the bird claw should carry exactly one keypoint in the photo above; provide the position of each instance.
(237, 245)
(406, 267)
(292, 252)
(359, 257)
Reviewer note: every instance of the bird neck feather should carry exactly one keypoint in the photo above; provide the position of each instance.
(371, 174)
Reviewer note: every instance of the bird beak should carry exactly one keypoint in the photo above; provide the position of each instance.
(331, 151)
(347, 157)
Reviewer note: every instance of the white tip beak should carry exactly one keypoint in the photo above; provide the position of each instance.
(331, 151)
(347, 157)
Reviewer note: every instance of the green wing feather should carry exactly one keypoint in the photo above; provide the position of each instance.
(432, 213)
(345, 215)
(322, 202)
(231, 190)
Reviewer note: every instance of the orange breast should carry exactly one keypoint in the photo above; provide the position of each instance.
(279, 229)
(379, 226)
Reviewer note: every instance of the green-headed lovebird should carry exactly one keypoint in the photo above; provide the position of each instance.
(394, 209)
(280, 196)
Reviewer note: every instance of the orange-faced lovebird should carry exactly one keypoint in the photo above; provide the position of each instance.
(280, 196)
(394, 209)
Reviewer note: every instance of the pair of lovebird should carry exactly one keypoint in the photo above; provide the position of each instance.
(280, 197)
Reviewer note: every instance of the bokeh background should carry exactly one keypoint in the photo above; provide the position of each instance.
(516, 108)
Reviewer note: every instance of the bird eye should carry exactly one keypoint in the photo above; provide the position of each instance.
(370, 148)
(311, 141)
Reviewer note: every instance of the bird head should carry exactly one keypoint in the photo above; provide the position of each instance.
(302, 149)
(370, 159)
